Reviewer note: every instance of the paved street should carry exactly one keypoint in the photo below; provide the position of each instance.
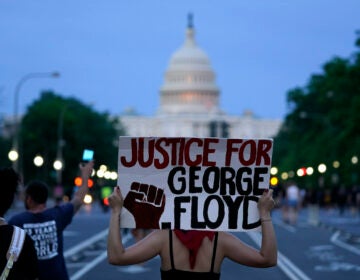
(330, 250)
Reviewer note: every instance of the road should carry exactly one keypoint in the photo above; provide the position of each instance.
(304, 252)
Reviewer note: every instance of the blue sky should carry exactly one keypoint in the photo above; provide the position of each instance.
(113, 54)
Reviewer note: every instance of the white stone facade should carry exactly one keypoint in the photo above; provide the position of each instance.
(189, 103)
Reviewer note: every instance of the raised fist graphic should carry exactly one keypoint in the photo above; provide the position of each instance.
(146, 203)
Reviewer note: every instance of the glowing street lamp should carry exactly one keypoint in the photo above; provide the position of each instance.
(58, 165)
(322, 168)
(354, 160)
(13, 155)
(284, 175)
(274, 170)
(309, 170)
(336, 164)
(38, 161)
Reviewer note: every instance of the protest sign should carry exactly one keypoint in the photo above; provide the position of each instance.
(193, 183)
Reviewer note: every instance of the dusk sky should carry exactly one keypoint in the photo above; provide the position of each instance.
(113, 54)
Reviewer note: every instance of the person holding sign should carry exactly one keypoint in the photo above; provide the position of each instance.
(193, 183)
(199, 254)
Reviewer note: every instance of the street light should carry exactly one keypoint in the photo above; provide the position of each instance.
(59, 163)
(38, 161)
(14, 153)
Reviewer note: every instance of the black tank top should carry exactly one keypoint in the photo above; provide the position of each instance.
(175, 274)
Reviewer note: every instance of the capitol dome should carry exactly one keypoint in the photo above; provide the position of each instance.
(189, 82)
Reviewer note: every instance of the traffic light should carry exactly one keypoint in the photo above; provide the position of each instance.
(106, 201)
(105, 193)
(274, 181)
(78, 182)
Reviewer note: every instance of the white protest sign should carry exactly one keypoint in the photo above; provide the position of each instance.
(193, 183)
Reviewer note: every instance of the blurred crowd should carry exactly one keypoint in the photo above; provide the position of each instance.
(291, 198)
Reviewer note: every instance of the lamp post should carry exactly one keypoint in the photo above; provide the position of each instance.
(14, 153)
(59, 162)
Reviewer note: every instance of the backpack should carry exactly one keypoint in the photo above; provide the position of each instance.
(14, 251)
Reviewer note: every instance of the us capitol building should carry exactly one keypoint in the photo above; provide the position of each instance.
(189, 103)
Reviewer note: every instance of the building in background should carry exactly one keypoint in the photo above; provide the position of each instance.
(189, 103)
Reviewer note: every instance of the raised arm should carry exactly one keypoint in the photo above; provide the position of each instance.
(115, 248)
(141, 251)
(86, 170)
(268, 243)
(236, 250)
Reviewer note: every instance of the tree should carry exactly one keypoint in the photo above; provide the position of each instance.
(5, 146)
(322, 126)
(52, 118)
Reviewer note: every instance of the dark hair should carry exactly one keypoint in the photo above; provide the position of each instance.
(9, 181)
(38, 191)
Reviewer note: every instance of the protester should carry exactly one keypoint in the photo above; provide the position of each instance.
(313, 206)
(341, 199)
(293, 199)
(46, 225)
(354, 201)
(199, 254)
(283, 204)
(25, 267)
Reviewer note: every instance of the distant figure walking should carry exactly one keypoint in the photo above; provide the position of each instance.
(293, 199)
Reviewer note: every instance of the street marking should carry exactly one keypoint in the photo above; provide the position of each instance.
(86, 243)
(97, 260)
(333, 260)
(324, 253)
(334, 239)
(338, 266)
(291, 270)
(89, 266)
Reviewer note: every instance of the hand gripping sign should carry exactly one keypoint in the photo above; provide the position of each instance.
(193, 183)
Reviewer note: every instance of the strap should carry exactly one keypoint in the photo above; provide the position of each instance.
(214, 252)
(171, 249)
(14, 251)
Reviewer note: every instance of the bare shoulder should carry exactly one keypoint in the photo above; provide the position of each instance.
(156, 239)
(228, 241)
(226, 236)
(159, 233)
(157, 236)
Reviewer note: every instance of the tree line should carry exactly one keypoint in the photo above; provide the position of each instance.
(323, 125)
(53, 123)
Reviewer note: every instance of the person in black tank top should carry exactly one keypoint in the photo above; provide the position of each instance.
(174, 274)
(183, 264)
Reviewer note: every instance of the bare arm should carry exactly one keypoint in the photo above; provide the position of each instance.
(141, 251)
(268, 243)
(86, 170)
(239, 252)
